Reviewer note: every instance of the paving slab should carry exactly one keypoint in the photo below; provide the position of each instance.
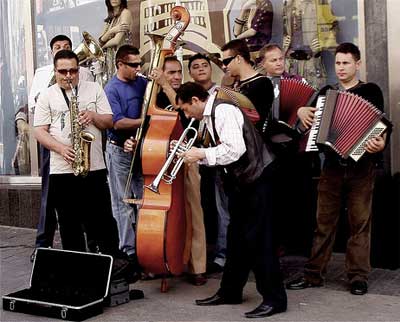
(332, 302)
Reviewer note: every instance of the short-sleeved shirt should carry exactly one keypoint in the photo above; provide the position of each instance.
(52, 109)
(126, 99)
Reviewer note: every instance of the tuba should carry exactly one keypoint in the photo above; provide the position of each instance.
(81, 139)
(88, 49)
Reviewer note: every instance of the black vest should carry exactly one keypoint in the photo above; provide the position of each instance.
(257, 157)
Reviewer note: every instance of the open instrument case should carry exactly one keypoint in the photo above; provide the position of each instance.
(67, 285)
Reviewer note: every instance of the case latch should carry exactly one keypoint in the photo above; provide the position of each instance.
(12, 305)
(64, 313)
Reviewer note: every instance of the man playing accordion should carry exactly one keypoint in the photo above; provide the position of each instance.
(344, 179)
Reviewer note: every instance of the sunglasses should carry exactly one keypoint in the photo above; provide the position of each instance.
(65, 72)
(133, 65)
(228, 60)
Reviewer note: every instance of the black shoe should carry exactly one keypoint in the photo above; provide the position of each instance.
(300, 284)
(359, 287)
(264, 310)
(197, 279)
(136, 294)
(214, 268)
(218, 300)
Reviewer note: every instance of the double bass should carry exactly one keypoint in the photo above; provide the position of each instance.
(161, 226)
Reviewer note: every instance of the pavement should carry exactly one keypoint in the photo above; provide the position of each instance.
(333, 302)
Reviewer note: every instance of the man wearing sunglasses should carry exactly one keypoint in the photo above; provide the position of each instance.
(257, 88)
(81, 203)
(125, 93)
(45, 77)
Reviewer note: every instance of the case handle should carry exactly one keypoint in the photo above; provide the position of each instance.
(12, 305)
(64, 313)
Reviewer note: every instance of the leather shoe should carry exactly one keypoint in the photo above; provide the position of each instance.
(359, 287)
(214, 268)
(218, 300)
(197, 279)
(300, 284)
(264, 310)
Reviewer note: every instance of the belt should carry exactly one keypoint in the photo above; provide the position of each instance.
(116, 143)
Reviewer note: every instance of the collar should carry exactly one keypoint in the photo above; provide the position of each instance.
(209, 105)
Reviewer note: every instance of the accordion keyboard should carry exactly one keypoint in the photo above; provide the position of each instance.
(312, 136)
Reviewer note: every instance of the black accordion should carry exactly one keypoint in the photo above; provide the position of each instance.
(279, 129)
(345, 122)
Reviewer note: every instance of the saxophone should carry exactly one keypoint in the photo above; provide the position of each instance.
(81, 139)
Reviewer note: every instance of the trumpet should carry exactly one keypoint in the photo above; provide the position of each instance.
(179, 147)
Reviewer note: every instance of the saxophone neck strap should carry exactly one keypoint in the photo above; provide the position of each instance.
(66, 96)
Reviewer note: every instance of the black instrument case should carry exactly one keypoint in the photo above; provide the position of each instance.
(64, 284)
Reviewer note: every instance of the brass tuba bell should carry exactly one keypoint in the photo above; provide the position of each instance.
(89, 48)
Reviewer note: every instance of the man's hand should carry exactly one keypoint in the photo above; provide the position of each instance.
(193, 155)
(96, 67)
(85, 118)
(23, 127)
(375, 144)
(158, 76)
(67, 153)
(306, 115)
(130, 144)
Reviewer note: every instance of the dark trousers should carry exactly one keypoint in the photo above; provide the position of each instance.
(251, 245)
(83, 204)
(47, 218)
(354, 184)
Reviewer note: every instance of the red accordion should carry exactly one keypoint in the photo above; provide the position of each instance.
(293, 94)
(345, 122)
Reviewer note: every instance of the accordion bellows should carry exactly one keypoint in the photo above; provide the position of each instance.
(293, 94)
(347, 122)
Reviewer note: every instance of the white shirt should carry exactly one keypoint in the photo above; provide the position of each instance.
(42, 78)
(52, 109)
(229, 127)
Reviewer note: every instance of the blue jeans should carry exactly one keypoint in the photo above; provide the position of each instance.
(118, 164)
(221, 200)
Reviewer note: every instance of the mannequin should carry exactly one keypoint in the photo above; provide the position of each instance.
(116, 32)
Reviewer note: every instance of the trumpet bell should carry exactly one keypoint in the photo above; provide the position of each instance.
(89, 48)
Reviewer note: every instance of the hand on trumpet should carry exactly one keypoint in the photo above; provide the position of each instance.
(193, 155)
(130, 144)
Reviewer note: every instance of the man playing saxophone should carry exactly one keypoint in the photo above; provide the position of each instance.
(80, 201)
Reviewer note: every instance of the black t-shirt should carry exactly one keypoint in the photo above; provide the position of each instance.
(163, 101)
(260, 91)
(369, 91)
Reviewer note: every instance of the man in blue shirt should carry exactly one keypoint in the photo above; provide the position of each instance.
(125, 93)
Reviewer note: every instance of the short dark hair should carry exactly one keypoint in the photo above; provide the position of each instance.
(238, 47)
(171, 59)
(267, 48)
(349, 48)
(65, 54)
(110, 10)
(60, 38)
(186, 91)
(124, 51)
(198, 56)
